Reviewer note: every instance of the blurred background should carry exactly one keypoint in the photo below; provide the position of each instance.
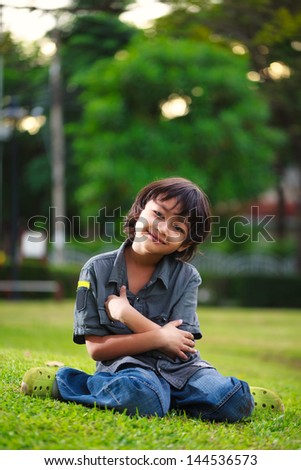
(99, 97)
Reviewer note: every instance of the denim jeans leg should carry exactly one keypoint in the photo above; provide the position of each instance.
(211, 396)
(135, 390)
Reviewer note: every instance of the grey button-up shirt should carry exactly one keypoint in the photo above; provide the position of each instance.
(170, 294)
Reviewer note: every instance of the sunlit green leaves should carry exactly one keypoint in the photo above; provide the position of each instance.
(223, 143)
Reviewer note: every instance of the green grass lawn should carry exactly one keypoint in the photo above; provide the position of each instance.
(259, 346)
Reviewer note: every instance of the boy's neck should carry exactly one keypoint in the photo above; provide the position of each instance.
(143, 260)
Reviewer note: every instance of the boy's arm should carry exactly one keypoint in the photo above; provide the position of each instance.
(119, 308)
(104, 348)
(147, 334)
(169, 339)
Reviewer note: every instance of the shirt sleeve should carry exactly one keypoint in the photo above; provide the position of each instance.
(86, 313)
(186, 306)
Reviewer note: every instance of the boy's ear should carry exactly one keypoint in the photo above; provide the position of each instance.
(183, 247)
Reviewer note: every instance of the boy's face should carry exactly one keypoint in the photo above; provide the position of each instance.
(160, 230)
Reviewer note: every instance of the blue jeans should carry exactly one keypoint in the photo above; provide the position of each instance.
(207, 394)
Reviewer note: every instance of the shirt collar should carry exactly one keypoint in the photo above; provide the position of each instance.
(163, 270)
(118, 273)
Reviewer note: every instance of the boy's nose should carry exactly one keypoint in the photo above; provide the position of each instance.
(163, 227)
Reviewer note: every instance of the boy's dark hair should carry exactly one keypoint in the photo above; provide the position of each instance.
(194, 205)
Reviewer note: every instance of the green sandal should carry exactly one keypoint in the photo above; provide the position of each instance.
(266, 399)
(40, 382)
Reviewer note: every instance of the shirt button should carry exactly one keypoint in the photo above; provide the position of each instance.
(138, 299)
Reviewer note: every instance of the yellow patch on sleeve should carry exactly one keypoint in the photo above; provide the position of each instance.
(83, 284)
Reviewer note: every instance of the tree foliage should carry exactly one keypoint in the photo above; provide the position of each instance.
(121, 140)
(24, 86)
(93, 32)
(223, 142)
(92, 36)
(270, 31)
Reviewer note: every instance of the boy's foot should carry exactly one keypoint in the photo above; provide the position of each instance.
(265, 399)
(40, 382)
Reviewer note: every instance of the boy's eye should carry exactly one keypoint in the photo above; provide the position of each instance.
(158, 214)
(178, 228)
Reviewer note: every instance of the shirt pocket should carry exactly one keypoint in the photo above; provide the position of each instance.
(81, 298)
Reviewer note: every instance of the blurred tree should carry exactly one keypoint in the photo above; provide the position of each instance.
(269, 31)
(91, 37)
(92, 32)
(171, 107)
(24, 84)
(109, 6)
(275, 48)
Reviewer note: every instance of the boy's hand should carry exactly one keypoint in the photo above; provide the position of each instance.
(179, 343)
(116, 305)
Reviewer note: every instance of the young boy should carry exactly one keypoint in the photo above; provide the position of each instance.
(136, 312)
